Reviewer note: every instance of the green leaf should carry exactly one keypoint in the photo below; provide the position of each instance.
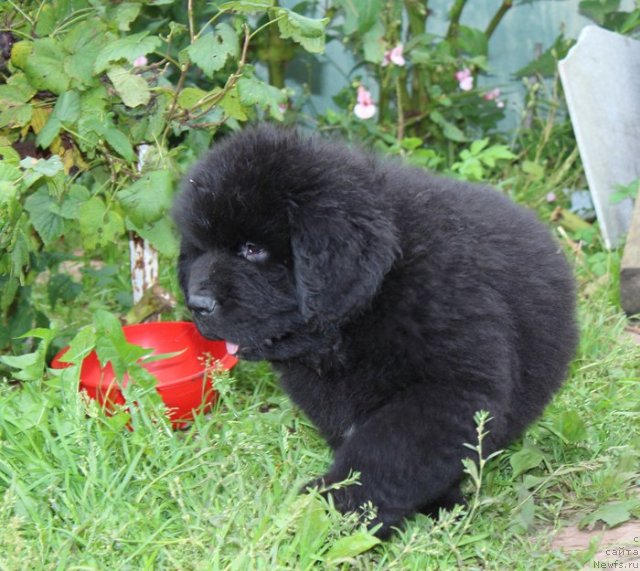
(496, 153)
(81, 345)
(533, 169)
(449, 130)
(453, 133)
(252, 91)
(597, 10)
(128, 48)
(49, 132)
(373, 44)
(190, 97)
(15, 115)
(211, 50)
(93, 114)
(149, 198)
(471, 468)
(112, 346)
(8, 192)
(612, 513)
(312, 526)
(124, 14)
(62, 288)
(45, 215)
(98, 225)
(67, 108)
(160, 233)
(411, 143)
(308, 32)
(9, 172)
(20, 52)
(46, 167)
(119, 142)
(232, 105)
(525, 460)
(524, 517)
(72, 200)
(19, 256)
(66, 112)
(360, 15)
(625, 191)
(478, 145)
(132, 89)
(472, 41)
(157, 118)
(546, 64)
(45, 66)
(9, 154)
(17, 90)
(47, 20)
(350, 546)
(31, 365)
(84, 43)
(571, 426)
(40, 333)
(247, 7)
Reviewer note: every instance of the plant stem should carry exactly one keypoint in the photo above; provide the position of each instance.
(276, 62)
(399, 110)
(212, 99)
(454, 18)
(192, 35)
(382, 95)
(417, 14)
(497, 17)
(184, 69)
(21, 12)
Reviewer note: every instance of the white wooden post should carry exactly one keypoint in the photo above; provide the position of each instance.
(142, 255)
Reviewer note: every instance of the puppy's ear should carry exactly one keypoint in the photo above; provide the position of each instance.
(342, 249)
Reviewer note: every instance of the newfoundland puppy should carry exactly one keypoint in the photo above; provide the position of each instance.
(394, 305)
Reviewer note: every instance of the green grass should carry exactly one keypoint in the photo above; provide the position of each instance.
(82, 492)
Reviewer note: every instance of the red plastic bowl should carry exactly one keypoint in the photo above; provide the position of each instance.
(181, 379)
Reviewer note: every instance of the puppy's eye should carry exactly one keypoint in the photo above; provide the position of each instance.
(253, 252)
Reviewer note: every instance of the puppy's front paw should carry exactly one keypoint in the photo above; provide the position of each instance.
(351, 498)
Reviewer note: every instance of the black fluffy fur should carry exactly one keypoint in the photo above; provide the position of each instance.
(394, 305)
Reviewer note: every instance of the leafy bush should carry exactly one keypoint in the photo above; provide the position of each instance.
(103, 107)
(426, 84)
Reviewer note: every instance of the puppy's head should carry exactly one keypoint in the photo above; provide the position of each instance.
(284, 239)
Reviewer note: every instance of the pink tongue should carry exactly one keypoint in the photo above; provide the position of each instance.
(232, 348)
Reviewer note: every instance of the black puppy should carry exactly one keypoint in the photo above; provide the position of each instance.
(394, 305)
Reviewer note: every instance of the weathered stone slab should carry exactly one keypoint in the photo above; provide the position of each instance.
(630, 266)
(601, 80)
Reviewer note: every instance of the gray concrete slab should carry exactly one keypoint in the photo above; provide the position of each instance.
(601, 81)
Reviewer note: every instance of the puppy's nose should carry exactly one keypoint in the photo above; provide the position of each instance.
(202, 304)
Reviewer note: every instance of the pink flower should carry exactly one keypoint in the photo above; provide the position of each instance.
(465, 79)
(551, 197)
(140, 61)
(491, 95)
(365, 108)
(394, 56)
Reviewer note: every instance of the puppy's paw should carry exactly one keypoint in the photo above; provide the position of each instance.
(349, 498)
(319, 484)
